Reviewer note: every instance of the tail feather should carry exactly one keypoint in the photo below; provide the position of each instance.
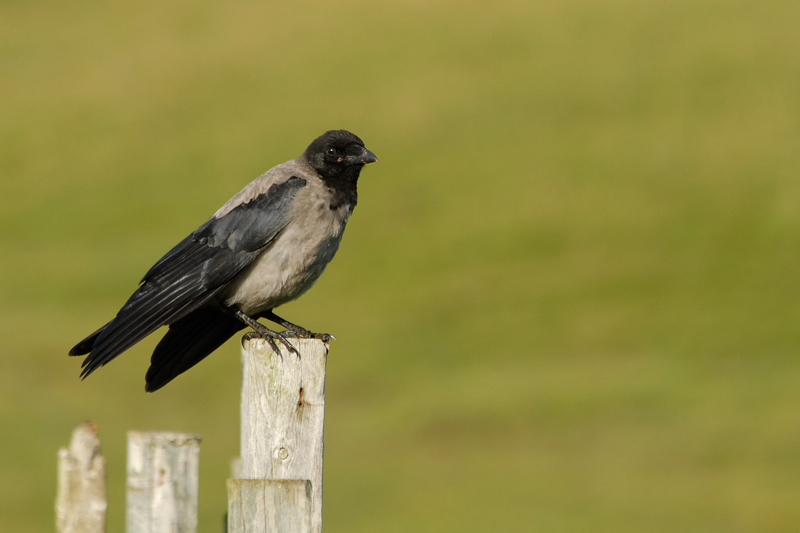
(86, 345)
(136, 321)
(188, 341)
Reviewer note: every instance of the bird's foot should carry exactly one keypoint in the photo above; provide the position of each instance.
(262, 332)
(271, 336)
(302, 333)
(295, 331)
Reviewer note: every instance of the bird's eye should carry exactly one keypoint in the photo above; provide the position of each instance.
(331, 152)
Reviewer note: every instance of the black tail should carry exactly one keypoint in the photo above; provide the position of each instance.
(86, 345)
(150, 307)
(189, 341)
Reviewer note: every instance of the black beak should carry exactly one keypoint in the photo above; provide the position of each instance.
(368, 157)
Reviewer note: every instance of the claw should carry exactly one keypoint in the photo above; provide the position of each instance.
(250, 335)
(274, 347)
(288, 345)
(270, 337)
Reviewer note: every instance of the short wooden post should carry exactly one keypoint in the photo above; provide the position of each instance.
(283, 409)
(162, 482)
(81, 498)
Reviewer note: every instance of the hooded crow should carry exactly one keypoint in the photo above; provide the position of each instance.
(265, 247)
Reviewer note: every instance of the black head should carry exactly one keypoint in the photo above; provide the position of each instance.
(338, 155)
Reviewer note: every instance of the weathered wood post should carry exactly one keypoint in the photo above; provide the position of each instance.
(81, 498)
(162, 482)
(283, 410)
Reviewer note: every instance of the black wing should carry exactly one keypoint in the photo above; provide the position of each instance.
(193, 272)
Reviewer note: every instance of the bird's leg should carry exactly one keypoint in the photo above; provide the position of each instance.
(293, 330)
(262, 331)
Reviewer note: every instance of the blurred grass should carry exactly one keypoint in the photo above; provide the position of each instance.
(567, 301)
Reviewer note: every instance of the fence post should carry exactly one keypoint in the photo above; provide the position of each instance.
(81, 498)
(283, 410)
(263, 505)
(162, 482)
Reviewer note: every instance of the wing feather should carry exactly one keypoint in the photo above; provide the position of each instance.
(194, 271)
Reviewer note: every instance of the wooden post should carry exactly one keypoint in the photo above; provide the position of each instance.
(81, 498)
(266, 506)
(283, 408)
(162, 482)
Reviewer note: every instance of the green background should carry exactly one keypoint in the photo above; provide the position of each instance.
(568, 298)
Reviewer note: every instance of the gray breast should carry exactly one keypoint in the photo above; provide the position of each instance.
(296, 259)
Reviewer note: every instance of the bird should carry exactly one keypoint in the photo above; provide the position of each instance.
(263, 248)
